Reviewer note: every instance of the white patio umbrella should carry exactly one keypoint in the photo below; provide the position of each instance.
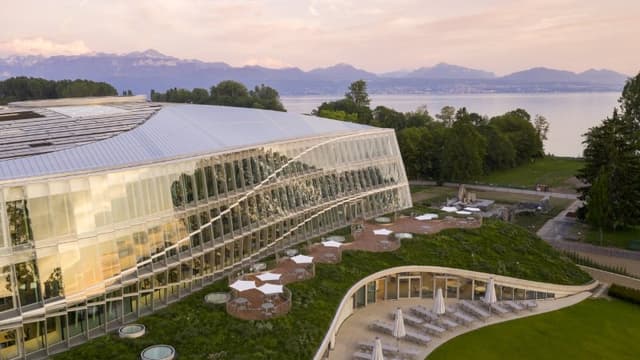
(398, 327)
(462, 212)
(490, 293)
(449, 209)
(472, 209)
(377, 350)
(270, 289)
(243, 285)
(331, 243)
(384, 232)
(269, 276)
(302, 259)
(438, 303)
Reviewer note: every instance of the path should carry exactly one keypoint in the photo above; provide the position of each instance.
(499, 188)
(557, 229)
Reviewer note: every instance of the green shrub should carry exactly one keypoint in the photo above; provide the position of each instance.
(625, 293)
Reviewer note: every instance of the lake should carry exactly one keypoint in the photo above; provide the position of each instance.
(569, 114)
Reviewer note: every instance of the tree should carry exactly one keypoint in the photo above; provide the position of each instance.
(388, 118)
(447, 115)
(26, 88)
(266, 97)
(541, 125)
(338, 115)
(226, 93)
(419, 117)
(500, 152)
(610, 146)
(464, 151)
(612, 150)
(422, 149)
(516, 126)
(199, 96)
(599, 214)
(358, 93)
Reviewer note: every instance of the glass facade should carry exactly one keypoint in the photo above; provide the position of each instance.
(81, 254)
(421, 284)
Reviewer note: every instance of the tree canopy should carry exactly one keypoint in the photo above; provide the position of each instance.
(225, 93)
(456, 146)
(28, 88)
(612, 151)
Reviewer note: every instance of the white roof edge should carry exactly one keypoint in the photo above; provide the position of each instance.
(98, 100)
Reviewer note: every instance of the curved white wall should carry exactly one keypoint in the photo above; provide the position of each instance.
(346, 305)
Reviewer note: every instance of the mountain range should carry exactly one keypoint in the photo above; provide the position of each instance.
(150, 69)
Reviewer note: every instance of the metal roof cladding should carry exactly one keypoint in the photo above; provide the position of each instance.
(172, 131)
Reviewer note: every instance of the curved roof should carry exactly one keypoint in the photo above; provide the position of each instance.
(179, 131)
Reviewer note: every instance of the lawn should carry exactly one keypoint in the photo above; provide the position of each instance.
(625, 239)
(198, 331)
(552, 171)
(533, 223)
(592, 329)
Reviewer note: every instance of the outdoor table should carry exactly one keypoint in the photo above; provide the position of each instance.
(241, 301)
(259, 266)
(268, 306)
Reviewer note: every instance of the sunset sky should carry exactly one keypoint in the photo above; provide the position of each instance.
(378, 35)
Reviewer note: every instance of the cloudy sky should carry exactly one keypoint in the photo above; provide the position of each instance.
(378, 35)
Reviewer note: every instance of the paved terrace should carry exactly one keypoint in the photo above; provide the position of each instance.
(356, 328)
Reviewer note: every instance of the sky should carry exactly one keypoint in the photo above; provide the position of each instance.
(501, 36)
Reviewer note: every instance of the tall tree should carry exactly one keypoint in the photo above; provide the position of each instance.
(613, 148)
(358, 93)
(517, 127)
(600, 212)
(463, 153)
(447, 115)
(541, 125)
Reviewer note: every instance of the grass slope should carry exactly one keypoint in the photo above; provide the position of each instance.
(198, 331)
(552, 171)
(592, 329)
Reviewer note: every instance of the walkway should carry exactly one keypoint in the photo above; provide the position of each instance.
(355, 328)
(498, 188)
(557, 229)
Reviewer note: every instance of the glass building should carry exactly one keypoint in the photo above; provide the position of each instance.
(113, 208)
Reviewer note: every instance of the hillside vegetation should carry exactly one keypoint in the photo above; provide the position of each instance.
(198, 331)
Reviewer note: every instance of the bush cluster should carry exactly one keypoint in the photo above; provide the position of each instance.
(624, 293)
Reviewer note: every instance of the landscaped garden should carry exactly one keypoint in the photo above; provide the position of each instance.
(550, 170)
(201, 331)
(592, 329)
